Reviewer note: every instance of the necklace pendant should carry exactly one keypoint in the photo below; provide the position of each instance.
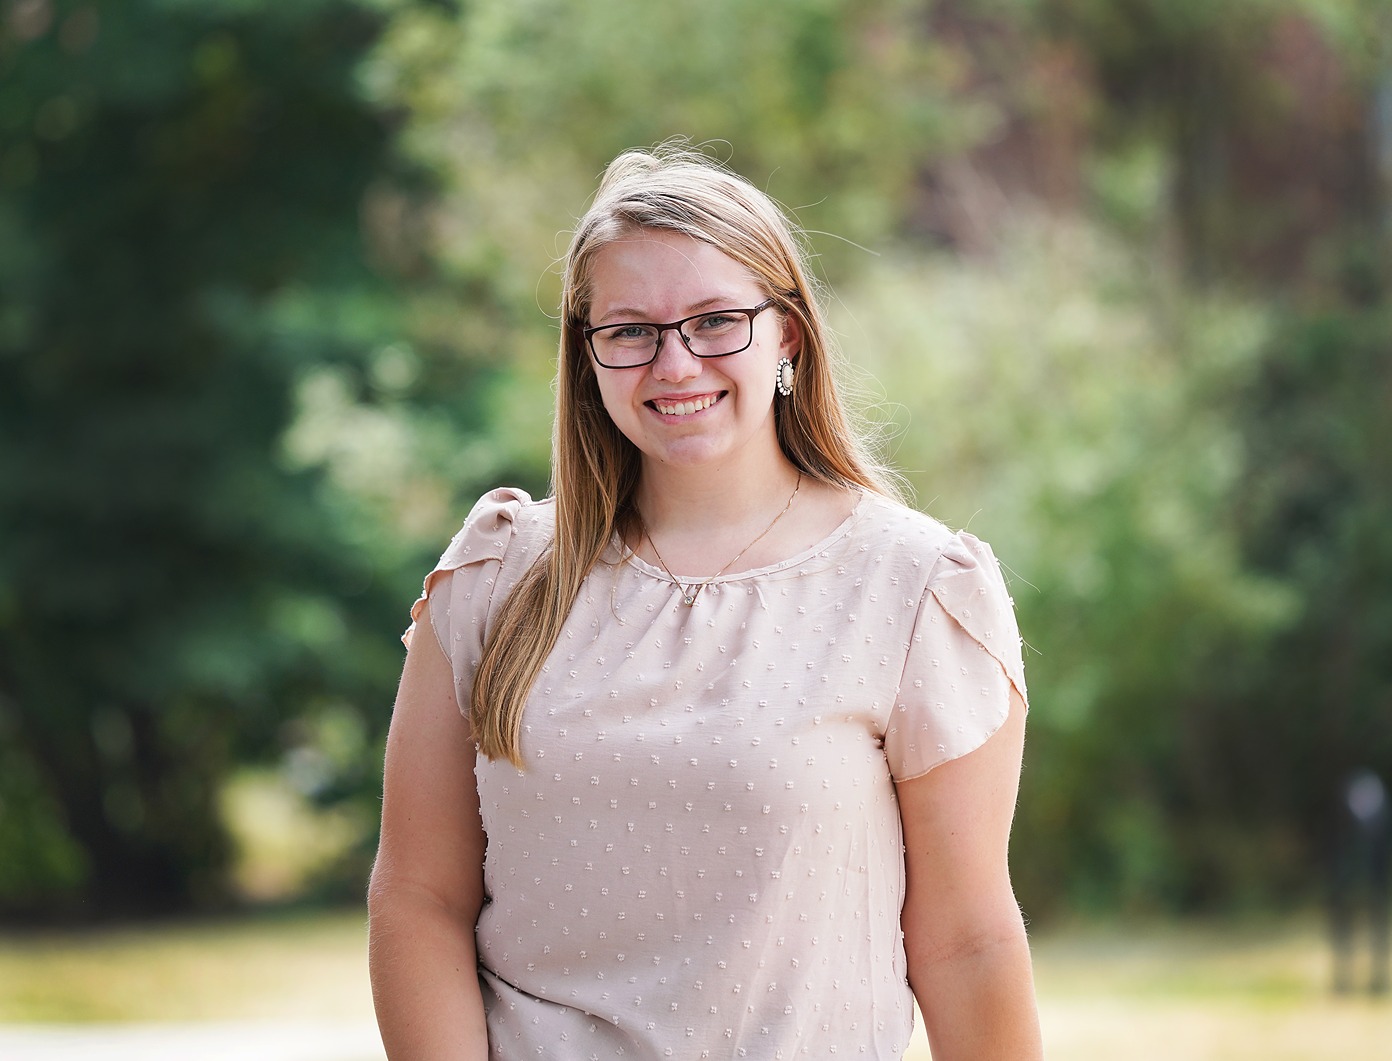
(690, 593)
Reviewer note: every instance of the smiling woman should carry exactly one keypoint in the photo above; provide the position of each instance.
(715, 752)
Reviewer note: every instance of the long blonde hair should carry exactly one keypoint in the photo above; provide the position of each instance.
(594, 467)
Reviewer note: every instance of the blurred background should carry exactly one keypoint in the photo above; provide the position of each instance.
(277, 297)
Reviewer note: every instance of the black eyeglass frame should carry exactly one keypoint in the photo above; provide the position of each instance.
(675, 326)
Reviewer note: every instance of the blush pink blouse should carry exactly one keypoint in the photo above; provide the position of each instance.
(703, 857)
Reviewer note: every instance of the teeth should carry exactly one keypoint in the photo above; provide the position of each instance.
(684, 408)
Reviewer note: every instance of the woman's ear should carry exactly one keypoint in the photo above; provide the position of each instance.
(790, 344)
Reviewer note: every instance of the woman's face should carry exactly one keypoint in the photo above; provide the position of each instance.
(656, 277)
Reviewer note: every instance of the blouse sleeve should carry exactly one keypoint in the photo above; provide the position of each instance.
(459, 589)
(964, 658)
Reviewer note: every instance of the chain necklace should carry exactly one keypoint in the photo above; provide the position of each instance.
(691, 592)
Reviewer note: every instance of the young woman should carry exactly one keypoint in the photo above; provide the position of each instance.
(714, 753)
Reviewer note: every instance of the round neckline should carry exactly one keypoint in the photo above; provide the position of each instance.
(631, 558)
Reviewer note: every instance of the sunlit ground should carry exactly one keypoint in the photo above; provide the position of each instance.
(294, 988)
(1202, 991)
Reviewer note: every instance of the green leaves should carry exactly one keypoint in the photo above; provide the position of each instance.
(162, 569)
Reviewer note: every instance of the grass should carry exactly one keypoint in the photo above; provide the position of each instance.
(1203, 992)
(303, 967)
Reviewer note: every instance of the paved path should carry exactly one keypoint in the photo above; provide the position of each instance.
(236, 1041)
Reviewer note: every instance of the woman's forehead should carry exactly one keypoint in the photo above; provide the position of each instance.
(652, 271)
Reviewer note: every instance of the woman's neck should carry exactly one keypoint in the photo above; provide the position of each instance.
(672, 500)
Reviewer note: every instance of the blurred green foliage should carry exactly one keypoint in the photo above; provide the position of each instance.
(277, 289)
(179, 201)
(1064, 404)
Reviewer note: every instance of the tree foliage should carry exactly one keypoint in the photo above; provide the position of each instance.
(1063, 403)
(179, 193)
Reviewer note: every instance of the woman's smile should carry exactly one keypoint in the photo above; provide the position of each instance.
(684, 407)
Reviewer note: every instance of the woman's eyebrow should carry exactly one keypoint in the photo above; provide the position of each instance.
(627, 314)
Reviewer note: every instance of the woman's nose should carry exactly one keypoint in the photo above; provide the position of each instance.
(673, 360)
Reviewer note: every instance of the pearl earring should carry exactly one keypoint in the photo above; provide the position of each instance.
(784, 377)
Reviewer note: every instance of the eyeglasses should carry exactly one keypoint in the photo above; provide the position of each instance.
(715, 333)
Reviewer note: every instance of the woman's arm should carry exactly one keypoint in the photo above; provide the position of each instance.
(427, 883)
(969, 960)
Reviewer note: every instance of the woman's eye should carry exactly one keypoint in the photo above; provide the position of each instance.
(632, 333)
(716, 322)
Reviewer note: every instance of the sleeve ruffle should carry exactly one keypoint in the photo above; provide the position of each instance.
(963, 661)
(483, 540)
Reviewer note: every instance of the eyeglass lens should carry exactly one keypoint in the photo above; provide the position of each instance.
(709, 335)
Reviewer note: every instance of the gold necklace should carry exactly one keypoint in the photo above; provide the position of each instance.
(691, 592)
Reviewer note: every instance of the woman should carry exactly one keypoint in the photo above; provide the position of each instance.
(713, 754)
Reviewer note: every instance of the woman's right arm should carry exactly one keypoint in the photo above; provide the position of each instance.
(427, 882)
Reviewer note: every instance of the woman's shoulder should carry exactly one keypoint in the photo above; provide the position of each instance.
(899, 530)
(503, 522)
(915, 540)
(958, 573)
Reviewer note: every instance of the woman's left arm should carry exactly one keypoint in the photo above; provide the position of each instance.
(969, 959)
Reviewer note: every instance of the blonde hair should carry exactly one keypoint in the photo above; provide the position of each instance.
(594, 467)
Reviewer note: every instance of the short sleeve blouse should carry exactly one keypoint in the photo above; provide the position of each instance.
(702, 856)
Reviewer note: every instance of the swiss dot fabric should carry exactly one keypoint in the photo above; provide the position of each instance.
(703, 857)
